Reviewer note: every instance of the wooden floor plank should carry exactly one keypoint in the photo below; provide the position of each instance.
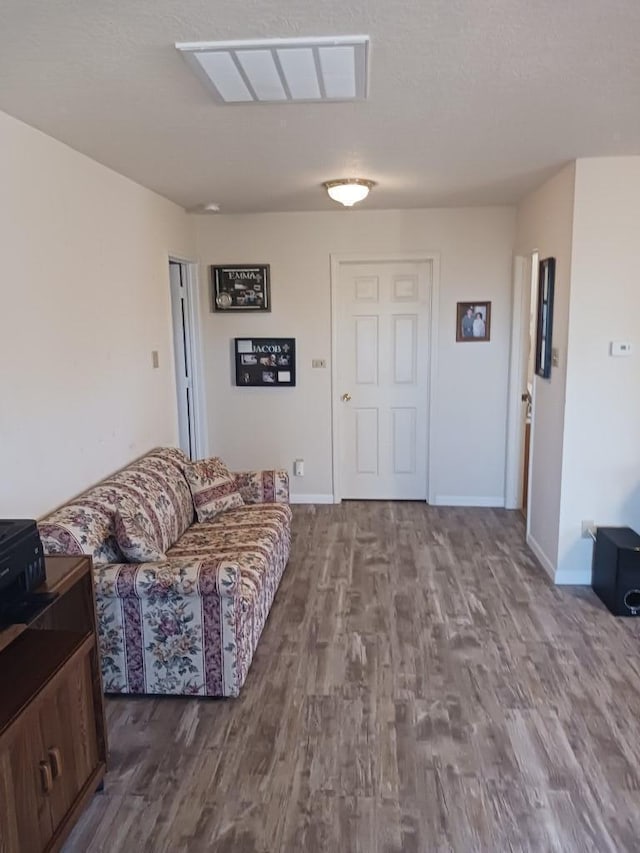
(420, 687)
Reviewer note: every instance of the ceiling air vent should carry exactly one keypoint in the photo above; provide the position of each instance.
(281, 70)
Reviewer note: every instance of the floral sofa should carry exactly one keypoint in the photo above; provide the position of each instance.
(190, 623)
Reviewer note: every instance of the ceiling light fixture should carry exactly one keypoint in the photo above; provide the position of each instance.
(348, 191)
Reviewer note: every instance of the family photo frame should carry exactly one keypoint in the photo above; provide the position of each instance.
(473, 321)
(241, 287)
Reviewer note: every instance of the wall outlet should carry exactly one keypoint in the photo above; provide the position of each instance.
(298, 468)
(319, 362)
(588, 529)
(620, 348)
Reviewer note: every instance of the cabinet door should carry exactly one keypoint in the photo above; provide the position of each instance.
(68, 726)
(25, 785)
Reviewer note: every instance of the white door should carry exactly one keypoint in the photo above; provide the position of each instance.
(521, 404)
(382, 371)
(182, 346)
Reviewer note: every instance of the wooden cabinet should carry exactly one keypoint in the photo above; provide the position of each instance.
(52, 733)
(25, 822)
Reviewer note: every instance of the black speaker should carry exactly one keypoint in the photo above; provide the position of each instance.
(616, 570)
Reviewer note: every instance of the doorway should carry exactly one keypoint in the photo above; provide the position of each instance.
(382, 366)
(528, 393)
(185, 347)
(521, 383)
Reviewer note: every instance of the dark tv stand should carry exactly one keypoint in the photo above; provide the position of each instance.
(52, 730)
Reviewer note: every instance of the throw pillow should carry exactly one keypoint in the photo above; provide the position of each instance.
(136, 537)
(213, 487)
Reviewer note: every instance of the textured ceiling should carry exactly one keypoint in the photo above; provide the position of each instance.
(471, 101)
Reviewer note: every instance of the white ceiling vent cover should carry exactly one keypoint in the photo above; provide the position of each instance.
(280, 71)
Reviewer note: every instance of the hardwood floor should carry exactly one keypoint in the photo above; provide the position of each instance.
(420, 686)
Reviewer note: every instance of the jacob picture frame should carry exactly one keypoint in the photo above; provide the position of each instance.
(265, 362)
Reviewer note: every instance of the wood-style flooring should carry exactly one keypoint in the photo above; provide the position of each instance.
(420, 686)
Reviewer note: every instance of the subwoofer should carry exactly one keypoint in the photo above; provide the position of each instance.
(616, 570)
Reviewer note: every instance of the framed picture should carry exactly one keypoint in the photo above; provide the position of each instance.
(544, 328)
(265, 362)
(473, 321)
(241, 287)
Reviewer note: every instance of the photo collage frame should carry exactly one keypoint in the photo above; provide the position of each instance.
(265, 362)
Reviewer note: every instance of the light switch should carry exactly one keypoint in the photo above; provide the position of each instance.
(319, 362)
(155, 359)
(555, 357)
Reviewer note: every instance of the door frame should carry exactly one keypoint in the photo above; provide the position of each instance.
(193, 305)
(380, 258)
(518, 367)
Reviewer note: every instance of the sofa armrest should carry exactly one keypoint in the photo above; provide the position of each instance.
(162, 580)
(263, 486)
(169, 627)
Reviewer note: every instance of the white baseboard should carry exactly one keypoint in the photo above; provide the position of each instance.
(542, 558)
(311, 499)
(475, 500)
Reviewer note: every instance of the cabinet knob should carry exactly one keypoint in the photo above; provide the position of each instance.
(46, 778)
(55, 761)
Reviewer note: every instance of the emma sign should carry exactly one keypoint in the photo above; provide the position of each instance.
(265, 362)
(241, 288)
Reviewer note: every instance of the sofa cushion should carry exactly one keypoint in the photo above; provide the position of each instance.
(177, 457)
(251, 535)
(213, 488)
(136, 535)
(84, 526)
(159, 490)
(156, 484)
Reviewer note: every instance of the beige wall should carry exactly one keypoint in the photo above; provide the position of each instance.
(85, 298)
(601, 465)
(259, 427)
(586, 455)
(545, 223)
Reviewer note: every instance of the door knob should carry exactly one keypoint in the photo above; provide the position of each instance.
(346, 397)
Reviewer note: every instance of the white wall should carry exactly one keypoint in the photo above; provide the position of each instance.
(601, 466)
(266, 427)
(545, 223)
(85, 298)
